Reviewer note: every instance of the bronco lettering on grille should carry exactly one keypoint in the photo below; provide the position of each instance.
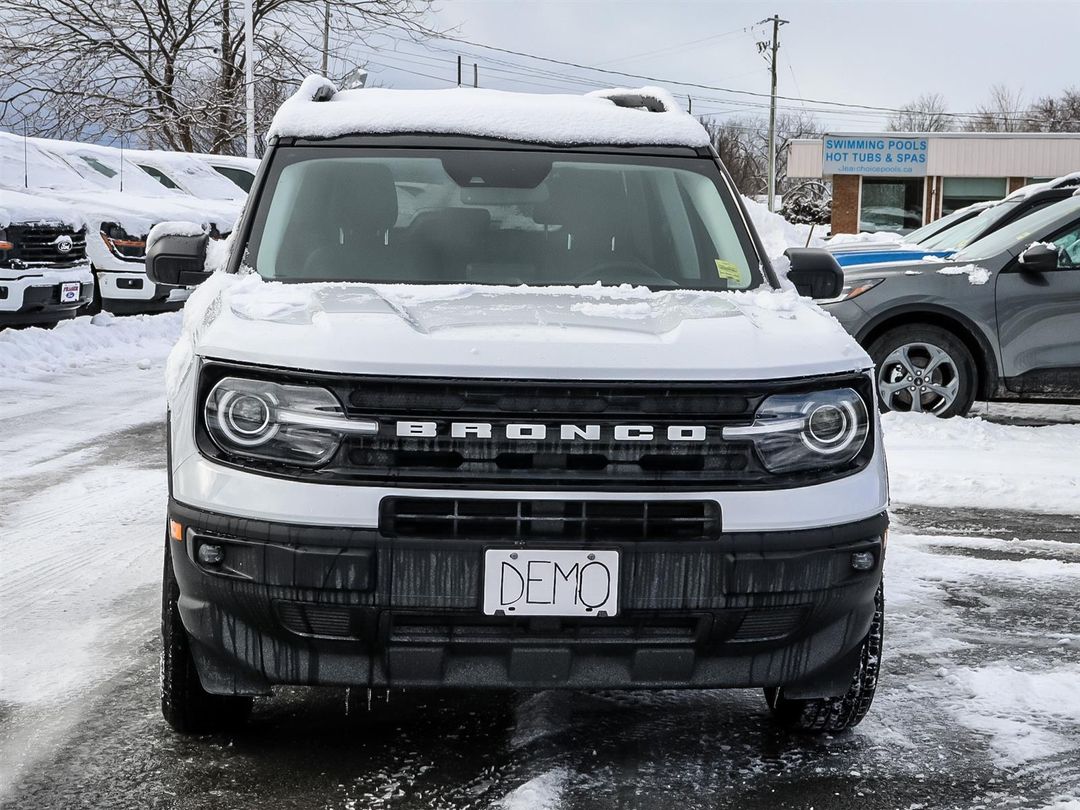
(528, 431)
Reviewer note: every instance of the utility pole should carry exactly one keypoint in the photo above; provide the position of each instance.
(249, 74)
(326, 39)
(475, 75)
(459, 70)
(771, 48)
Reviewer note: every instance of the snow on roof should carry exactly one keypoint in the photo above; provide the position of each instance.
(530, 117)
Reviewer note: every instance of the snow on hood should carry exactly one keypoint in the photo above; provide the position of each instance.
(137, 214)
(527, 332)
(20, 207)
(865, 238)
(532, 117)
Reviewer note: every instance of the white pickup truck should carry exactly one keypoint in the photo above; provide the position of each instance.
(44, 273)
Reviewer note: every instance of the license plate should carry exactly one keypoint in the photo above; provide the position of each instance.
(69, 292)
(551, 583)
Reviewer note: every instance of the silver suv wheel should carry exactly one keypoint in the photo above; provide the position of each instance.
(919, 377)
(924, 368)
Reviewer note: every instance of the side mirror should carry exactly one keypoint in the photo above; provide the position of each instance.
(176, 254)
(1039, 257)
(814, 272)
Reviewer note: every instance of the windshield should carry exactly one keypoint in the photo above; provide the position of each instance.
(939, 226)
(499, 217)
(961, 235)
(1020, 233)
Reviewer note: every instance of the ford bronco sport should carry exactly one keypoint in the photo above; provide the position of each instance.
(498, 390)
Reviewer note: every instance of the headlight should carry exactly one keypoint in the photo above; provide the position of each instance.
(122, 244)
(817, 430)
(292, 424)
(853, 289)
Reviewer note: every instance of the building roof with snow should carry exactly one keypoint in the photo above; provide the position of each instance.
(647, 116)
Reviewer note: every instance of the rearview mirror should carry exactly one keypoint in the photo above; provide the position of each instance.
(176, 254)
(814, 272)
(1039, 257)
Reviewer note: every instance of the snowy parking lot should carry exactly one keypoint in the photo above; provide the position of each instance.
(979, 706)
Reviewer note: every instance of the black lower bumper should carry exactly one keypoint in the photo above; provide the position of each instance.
(132, 306)
(336, 606)
(41, 305)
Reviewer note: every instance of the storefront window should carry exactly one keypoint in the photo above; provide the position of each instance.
(891, 204)
(960, 192)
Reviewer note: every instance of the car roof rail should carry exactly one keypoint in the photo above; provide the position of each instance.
(635, 99)
(324, 92)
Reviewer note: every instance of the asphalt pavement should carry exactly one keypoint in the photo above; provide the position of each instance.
(106, 746)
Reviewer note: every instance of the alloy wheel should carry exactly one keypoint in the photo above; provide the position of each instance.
(919, 377)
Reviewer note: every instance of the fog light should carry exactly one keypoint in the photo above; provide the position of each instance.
(860, 560)
(211, 555)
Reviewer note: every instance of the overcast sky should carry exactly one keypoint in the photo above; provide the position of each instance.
(873, 52)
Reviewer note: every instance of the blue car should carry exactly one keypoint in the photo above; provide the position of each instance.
(944, 237)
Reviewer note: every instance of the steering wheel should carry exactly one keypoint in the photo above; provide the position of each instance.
(622, 271)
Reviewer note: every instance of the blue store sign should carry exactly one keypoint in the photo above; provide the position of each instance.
(874, 155)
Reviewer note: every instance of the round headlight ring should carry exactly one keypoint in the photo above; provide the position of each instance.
(261, 415)
(841, 441)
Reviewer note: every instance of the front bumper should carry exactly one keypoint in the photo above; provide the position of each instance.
(33, 299)
(292, 604)
(125, 293)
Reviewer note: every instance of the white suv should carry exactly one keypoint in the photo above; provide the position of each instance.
(500, 391)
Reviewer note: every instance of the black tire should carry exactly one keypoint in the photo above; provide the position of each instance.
(94, 307)
(823, 715)
(925, 337)
(185, 705)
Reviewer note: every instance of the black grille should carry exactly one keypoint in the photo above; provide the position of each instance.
(771, 624)
(449, 629)
(40, 245)
(305, 619)
(468, 518)
(591, 456)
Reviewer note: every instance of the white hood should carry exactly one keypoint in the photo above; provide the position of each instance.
(624, 333)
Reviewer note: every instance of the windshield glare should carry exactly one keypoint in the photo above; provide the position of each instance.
(1020, 233)
(499, 217)
(939, 226)
(960, 235)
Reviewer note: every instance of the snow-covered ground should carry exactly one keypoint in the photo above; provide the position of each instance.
(983, 632)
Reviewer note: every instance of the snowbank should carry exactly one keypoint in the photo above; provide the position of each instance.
(975, 463)
(533, 117)
(777, 234)
(87, 341)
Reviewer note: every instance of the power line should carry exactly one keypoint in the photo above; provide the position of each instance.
(702, 86)
(681, 45)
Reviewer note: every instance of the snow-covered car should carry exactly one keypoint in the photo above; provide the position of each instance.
(119, 203)
(498, 390)
(238, 170)
(186, 172)
(44, 273)
(998, 321)
(962, 228)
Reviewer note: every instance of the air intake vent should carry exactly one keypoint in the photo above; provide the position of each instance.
(768, 625)
(467, 518)
(306, 619)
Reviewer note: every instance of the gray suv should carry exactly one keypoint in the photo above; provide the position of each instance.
(998, 321)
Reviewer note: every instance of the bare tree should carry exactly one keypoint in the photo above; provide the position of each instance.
(743, 146)
(924, 114)
(1004, 112)
(1061, 114)
(169, 72)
